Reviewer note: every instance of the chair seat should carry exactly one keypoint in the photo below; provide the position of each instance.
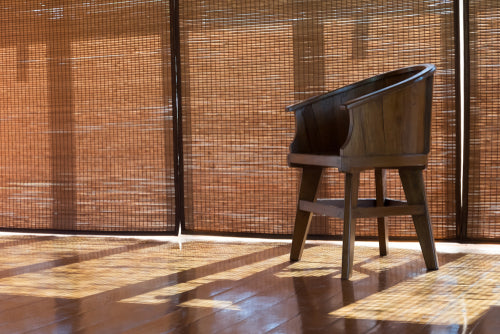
(367, 162)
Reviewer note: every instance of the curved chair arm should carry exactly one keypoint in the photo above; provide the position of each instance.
(394, 120)
(321, 126)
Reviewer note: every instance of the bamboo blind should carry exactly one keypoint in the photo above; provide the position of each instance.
(484, 175)
(243, 61)
(86, 119)
(87, 123)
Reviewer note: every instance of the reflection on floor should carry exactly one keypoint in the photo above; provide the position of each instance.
(55, 284)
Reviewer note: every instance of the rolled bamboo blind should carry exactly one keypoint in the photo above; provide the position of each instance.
(86, 120)
(243, 61)
(483, 220)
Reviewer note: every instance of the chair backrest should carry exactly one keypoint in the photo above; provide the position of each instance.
(388, 114)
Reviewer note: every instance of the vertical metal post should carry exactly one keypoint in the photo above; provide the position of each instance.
(177, 115)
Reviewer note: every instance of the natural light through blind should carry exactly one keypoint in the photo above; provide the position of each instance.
(89, 133)
(86, 123)
(484, 174)
(243, 62)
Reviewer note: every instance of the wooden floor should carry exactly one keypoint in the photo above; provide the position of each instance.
(77, 284)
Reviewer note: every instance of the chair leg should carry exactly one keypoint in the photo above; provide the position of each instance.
(413, 185)
(308, 190)
(381, 194)
(350, 202)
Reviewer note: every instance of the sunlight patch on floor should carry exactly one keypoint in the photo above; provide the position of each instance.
(158, 296)
(89, 277)
(25, 254)
(326, 260)
(458, 293)
(210, 303)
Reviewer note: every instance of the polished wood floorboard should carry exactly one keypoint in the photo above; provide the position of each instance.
(80, 284)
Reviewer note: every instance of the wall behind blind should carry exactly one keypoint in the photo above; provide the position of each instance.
(86, 120)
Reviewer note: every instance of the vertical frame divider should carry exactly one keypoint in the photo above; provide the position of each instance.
(462, 102)
(177, 115)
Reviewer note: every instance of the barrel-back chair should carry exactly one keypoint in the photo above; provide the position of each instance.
(379, 123)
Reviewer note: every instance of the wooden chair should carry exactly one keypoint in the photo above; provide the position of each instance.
(379, 123)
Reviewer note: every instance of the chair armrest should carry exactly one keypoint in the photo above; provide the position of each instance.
(321, 127)
(392, 121)
(314, 99)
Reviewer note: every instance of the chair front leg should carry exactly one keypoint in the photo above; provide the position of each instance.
(413, 185)
(381, 194)
(350, 203)
(309, 183)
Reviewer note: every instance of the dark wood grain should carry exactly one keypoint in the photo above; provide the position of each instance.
(381, 194)
(350, 203)
(413, 184)
(311, 177)
(209, 286)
